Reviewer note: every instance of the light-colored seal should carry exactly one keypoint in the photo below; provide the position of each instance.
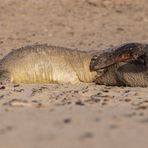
(46, 64)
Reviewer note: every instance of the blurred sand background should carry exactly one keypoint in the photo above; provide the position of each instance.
(72, 116)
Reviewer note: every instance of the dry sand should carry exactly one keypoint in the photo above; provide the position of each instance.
(72, 116)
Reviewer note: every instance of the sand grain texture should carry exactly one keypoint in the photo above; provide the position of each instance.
(72, 116)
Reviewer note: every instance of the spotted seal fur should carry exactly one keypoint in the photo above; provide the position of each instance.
(126, 65)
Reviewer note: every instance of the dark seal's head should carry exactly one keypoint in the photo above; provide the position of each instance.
(122, 53)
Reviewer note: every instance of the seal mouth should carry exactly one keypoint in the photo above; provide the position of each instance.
(98, 68)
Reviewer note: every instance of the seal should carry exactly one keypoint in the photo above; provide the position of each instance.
(124, 65)
(46, 64)
(125, 52)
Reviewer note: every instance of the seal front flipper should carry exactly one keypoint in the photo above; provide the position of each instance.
(123, 53)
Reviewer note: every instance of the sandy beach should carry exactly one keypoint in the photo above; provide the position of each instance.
(65, 115)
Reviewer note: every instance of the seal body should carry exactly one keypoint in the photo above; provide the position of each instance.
(46, 64)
